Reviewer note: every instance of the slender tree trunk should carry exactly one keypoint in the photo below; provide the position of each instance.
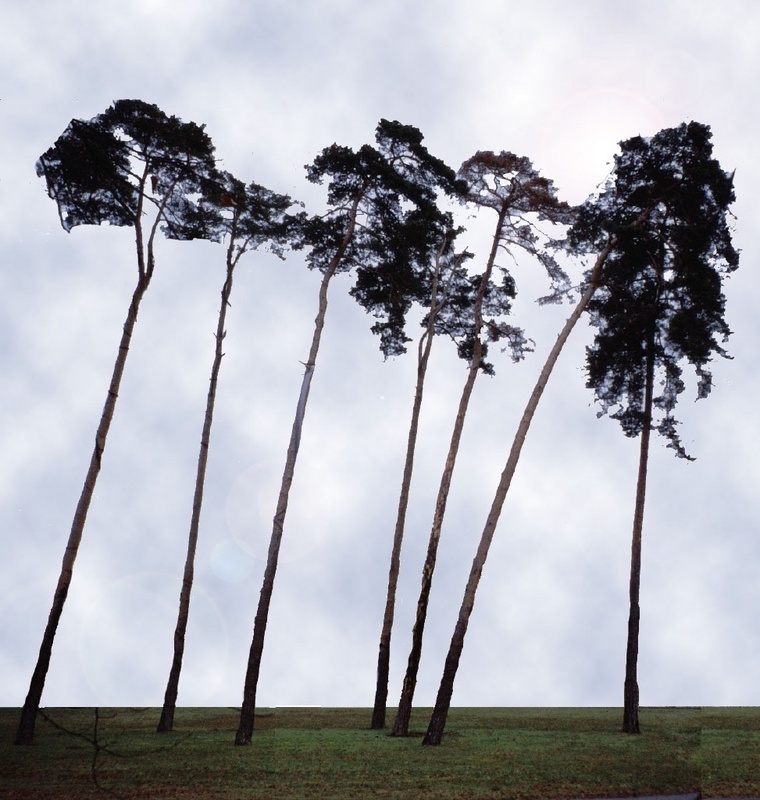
(25, 733)
(246, 723)
(384, 656)
(446, 688)
(404, 713)
(631, 685)
(245, 728)
(166, 722)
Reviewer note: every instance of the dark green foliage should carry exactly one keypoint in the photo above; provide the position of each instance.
(87, 175)
(250, 216)
(667, 202)
(107, 168)
(391, 191)
(389, 288)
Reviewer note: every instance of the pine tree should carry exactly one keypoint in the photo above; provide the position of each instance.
(660, 306)
(249, 217)
(120, 167)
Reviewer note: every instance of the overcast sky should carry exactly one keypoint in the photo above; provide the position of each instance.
(275, 82)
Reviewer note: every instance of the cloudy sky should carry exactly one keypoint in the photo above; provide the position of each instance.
(275, 82)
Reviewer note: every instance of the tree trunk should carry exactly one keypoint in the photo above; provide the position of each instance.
(245, 726)
(443, 700)
(384, 655)
(166, 722)
(631, 686)
(404, 713)
(25, 733)
(423, 357)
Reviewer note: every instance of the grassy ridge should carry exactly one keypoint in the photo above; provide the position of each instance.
(330, 754)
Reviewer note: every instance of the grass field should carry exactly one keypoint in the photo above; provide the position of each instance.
(330, 754)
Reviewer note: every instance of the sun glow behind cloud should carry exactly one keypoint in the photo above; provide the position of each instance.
(582, 133)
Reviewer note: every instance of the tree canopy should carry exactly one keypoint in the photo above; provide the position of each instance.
(105, 169)
(396, 187)
(661, 294)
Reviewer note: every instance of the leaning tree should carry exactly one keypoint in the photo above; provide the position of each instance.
(661, 306)
(442, 282)
(131, 166)
(248, 217)
(651, 179)
(510, 186)
(372, 193)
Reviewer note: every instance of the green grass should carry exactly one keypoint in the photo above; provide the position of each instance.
(331, 754)
(731, 751)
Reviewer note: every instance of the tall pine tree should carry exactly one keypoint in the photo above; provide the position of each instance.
(131, 166)
(248, 217)
(660, 307)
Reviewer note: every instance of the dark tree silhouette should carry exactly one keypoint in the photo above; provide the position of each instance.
(373, 194)
(115, 168)
(661, 305)
(649, 176)
(521, 198)
(248, 217)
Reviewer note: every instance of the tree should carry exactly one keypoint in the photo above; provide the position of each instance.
(510, 186)
(114, 168)
(372, 195)
(647, 178)
(249, 217)
(447, 278)
(662, 305)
